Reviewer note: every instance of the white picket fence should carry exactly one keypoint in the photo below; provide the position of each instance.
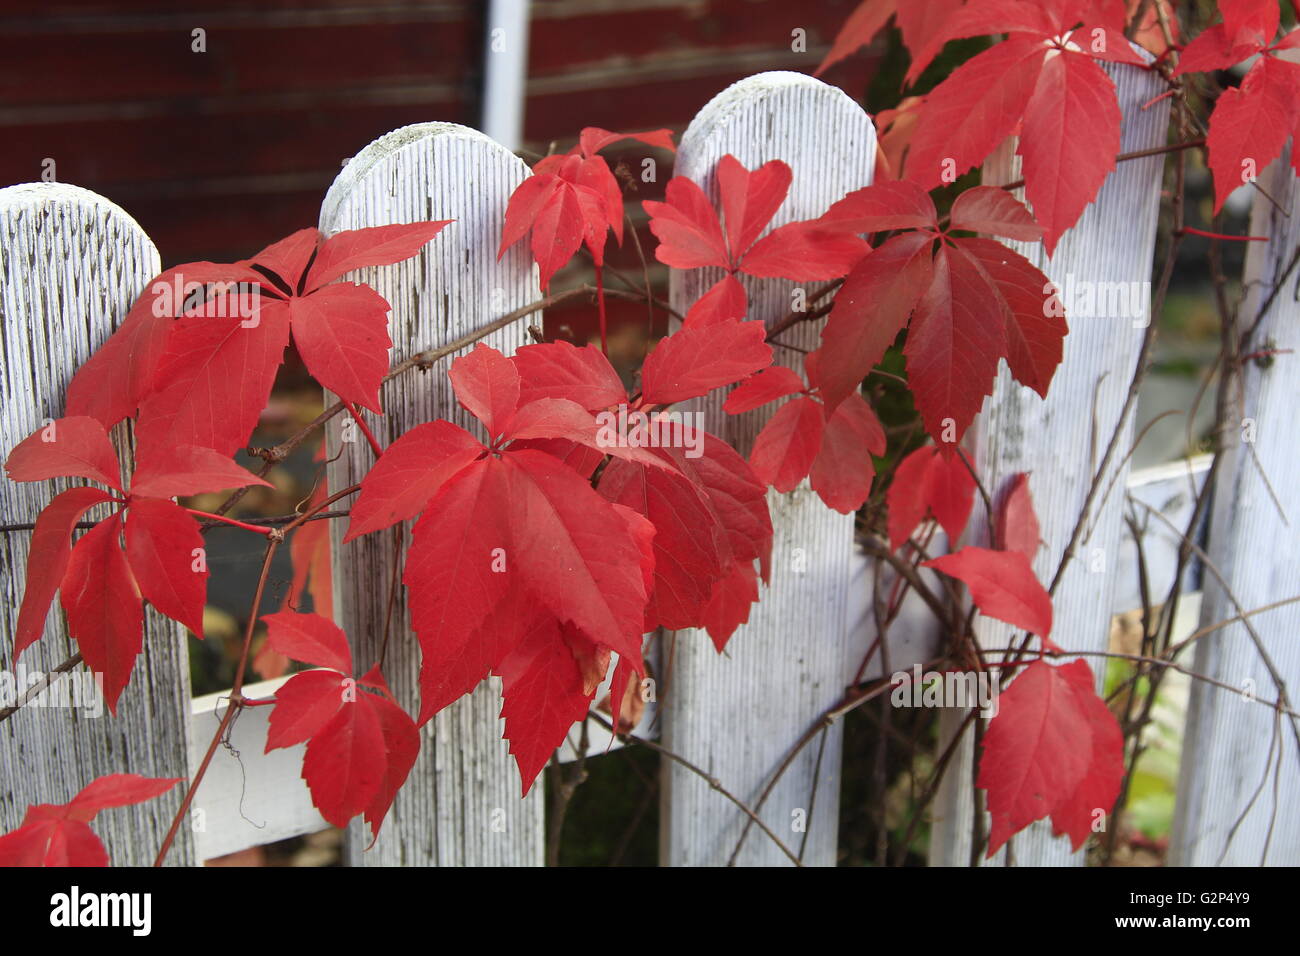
(71, 262)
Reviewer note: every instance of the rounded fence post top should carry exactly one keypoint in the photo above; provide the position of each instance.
(35, 195)
(392, 143)
(755, 89)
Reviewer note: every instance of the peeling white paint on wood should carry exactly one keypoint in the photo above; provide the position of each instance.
(71, 264)
(461, 804)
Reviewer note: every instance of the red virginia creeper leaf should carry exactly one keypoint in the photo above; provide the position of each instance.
(408, 474)
(1002, 585)
(47, 561)
(161, 538)
(309, 638)
(785, 449)
(1053, 748)
(842, 471)
(693, 362)
(102, 602)
(65, 448)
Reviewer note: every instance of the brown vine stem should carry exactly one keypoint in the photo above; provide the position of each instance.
(1136, 154)
(40, 686)
(237, 703)
(703, 775)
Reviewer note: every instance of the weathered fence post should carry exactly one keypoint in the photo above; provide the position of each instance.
(461, 805)
(1231, 808)
(737, 715)
(71, 264)
(1061, 440)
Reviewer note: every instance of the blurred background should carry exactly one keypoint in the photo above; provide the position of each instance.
(219, 127)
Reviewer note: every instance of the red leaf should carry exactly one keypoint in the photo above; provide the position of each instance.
(1211, 50)
(1253, 22)
(1250, 124)
(47, 561)
(342, 334)
(575, 553)
(68, 447)
(593, 139)
(60, 834)
(620, 688)
(345, 762)
(289, 257)
(214, 380)
(173, 471)
(116, 790)
(401, 747)
(304, 704)
(542, 695)
(883, 207)
(102, 602)
(560, 370)
(117, 378)
(728, 608)
(309, 553)
(1015, 523)
(749, 199)
(688, 544)
(1053, 748)
(926, 481)
(161, 539)
(923, 26)
(785, 449)
(558, 230)
(956, 337)
(1069, 142)
(842, 471)
(1002, 585)
(1034, 316)
(765, 385)
(693, 362)
(869, 310)
(805, 252)
(408, 475)
(993, 210)
(724, 302)
(526, 203)
(735, 494)
(487, 386)
(972, 111)
(688, 230)
(867, 19)
(353, 249)
(309, 638)
(459, 571)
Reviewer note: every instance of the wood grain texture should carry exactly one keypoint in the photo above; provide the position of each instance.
(736, 715)
(461, 804)
(71, 263)
(1060, 441)
(1240, 777)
